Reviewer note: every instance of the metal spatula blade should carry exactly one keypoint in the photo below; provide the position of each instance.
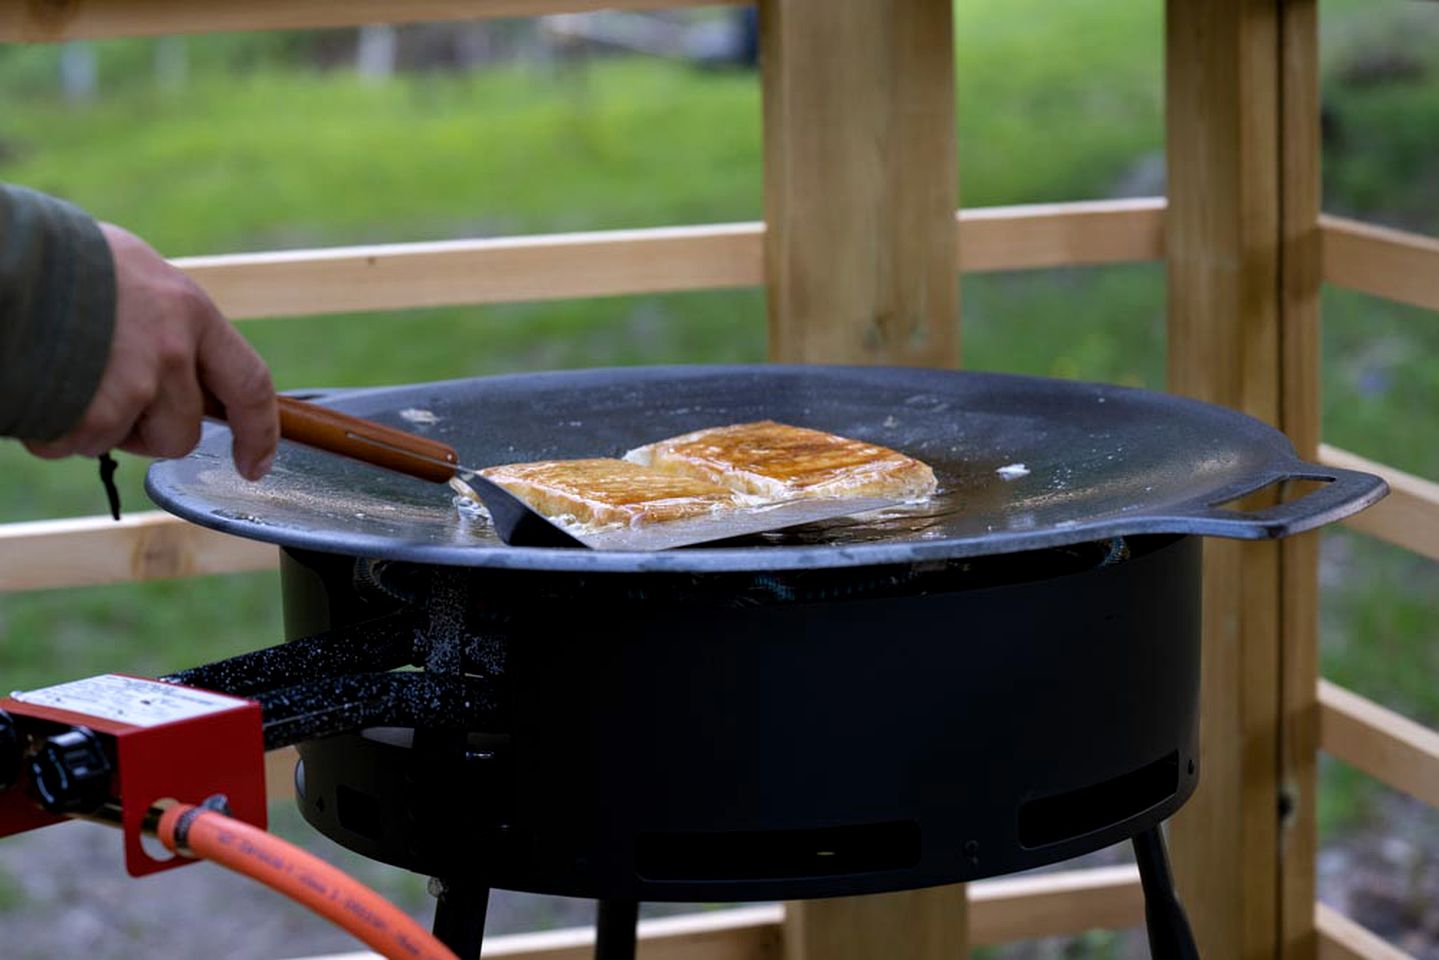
(520, 526)
(515, 522)
(725, 524)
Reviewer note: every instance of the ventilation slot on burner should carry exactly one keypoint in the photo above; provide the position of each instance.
(359, 812)
(1065, 816)
(776, 854)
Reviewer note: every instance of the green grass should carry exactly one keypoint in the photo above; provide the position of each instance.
(1382, 59)
(283, 159)
(1055, 102)
(12, 894)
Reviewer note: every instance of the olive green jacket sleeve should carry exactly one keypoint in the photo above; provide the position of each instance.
(57, 312)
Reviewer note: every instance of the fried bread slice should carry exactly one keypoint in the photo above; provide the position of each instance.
(601, 493)
(778, 461)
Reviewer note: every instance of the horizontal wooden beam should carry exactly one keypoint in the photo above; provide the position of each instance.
(88, 551)
(742, 933)
(1408, 517)
(52, 21)
(1389, 747)
(1342, 939)
(1084, 233)
(611, 263)
(548, 267)
(1386, 263)
(1054, 904)
(1000, 911)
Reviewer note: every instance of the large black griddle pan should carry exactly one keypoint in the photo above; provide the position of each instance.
(1101, 461)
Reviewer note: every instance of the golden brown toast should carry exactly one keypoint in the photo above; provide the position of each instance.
(777, 461)
(600, 493)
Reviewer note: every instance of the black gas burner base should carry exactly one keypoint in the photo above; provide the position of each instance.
(682, 747)
(789, 736)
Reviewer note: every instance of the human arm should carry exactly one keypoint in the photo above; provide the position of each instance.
(108, 346)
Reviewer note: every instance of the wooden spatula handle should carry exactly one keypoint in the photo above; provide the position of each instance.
(375, 443)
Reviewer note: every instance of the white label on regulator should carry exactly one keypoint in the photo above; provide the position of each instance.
(141, 703)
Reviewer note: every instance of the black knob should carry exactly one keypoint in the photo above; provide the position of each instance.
(71, 772)
(11, 752)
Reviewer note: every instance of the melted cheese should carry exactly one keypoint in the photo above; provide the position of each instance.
(777, 461)
(596, 494)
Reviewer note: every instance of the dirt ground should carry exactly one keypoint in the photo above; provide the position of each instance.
(64, 893)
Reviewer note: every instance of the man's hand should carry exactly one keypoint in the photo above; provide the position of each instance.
(170, 350)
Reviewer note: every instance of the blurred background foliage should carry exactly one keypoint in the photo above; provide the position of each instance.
(212, 144)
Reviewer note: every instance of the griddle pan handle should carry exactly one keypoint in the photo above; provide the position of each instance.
(1345, 492)
(328, 429)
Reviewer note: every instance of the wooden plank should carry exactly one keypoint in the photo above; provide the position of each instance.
(610, 263)
(1082, 233)
(280, 774)
(88, 551)
(1003, 910)
(743, 933)
(1223, 248)
(1342, 939)
(1384, 744)
(1377, 260)
(52, 21)
(861, 186)
(1300, 416)
(861, 180)
(1054, 904)
(401, 276)
(1408, 517)
(909, 925)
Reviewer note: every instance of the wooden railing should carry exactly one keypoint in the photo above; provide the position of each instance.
(1386, 263)
(618, 262)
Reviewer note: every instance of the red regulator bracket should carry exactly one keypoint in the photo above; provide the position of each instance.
(165, 742)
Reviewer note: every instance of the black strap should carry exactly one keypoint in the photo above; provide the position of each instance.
(108, 466)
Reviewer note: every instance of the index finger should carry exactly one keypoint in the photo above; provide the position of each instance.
(232, 372)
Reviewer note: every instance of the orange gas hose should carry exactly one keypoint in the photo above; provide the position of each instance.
(302, 877)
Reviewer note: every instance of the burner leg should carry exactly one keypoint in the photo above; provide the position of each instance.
(615, 930)
(1169, 935)
(460, 916)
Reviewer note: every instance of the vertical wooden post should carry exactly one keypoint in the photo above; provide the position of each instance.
(914, 925)
(1300, 278)
(861, 180)
(1243, 283)
(861, 185)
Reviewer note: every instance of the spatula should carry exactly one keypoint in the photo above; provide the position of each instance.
(518, 524)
